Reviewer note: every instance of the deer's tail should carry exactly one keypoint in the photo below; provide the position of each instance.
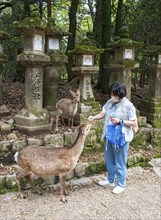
(16, 157)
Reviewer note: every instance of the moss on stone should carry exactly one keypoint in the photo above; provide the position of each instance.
(125, 42)
(51, 29)
(128, 63)
(86, 49)
(30, 23)
(4, 189)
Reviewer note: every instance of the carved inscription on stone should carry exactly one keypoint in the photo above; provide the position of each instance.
(36, 85)
(87, 86)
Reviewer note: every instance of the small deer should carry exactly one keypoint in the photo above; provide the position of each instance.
(68, 108)
(49, 161)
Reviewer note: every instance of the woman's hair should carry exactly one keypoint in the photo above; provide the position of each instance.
(118, 89)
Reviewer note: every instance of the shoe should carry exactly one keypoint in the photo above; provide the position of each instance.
(118, 189)
(105, 183)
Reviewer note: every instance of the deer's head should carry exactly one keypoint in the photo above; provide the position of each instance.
(76, 95)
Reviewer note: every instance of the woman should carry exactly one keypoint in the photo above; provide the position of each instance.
(117, 110)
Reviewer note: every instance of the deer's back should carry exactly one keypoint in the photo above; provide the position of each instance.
(43, 161)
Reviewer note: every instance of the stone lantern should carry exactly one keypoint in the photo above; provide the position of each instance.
(3, 59)
(84, 57)
(33, 118)
(122, 61)
(53, 48)
(150, 106)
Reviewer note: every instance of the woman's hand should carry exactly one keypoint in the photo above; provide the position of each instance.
(115, 120)
(90, 118)
(96, 117)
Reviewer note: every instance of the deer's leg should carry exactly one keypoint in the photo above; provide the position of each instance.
(29, 180)
(63, 188)
(72, 121)
(69, 121)
(56, 122)
(19, 175)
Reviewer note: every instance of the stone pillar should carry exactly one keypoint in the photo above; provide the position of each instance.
(50, 87)
(33, 119)
(53, 48)
(3, 59)
(33, 88)
(150, 106)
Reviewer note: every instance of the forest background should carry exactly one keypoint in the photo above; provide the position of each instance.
(89, 21)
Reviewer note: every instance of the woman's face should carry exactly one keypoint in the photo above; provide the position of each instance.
(115, 99)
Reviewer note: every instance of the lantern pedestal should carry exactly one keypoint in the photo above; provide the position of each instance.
(88, 105)
(34, 119)
(84, 59)
(85, 87)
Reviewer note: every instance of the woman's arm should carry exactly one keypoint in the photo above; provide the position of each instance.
(97, 117)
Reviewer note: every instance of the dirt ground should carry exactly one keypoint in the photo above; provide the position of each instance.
(140, 201)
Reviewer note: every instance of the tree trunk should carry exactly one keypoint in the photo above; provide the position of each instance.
(71, 39)
(97, 25)
(49, 8)
(40, 8)
(118, 23)
(104, 75)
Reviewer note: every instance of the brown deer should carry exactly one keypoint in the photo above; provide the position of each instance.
(68, 108)
(49, 161)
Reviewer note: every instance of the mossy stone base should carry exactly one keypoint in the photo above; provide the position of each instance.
(33, 121)
(151, 109)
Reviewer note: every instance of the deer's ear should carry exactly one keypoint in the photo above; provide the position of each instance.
(71, 92)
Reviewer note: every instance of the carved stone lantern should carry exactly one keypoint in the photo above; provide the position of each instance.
(123, 59)
(84, 57)
(54, 49)
(34, 118)
(150, 106)
(3, 59)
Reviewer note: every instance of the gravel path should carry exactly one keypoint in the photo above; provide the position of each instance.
(87, 201)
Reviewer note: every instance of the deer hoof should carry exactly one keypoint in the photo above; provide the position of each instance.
(64, 200)
(21, 196)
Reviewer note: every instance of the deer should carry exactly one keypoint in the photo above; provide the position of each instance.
(48, 161)
(68, 108)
